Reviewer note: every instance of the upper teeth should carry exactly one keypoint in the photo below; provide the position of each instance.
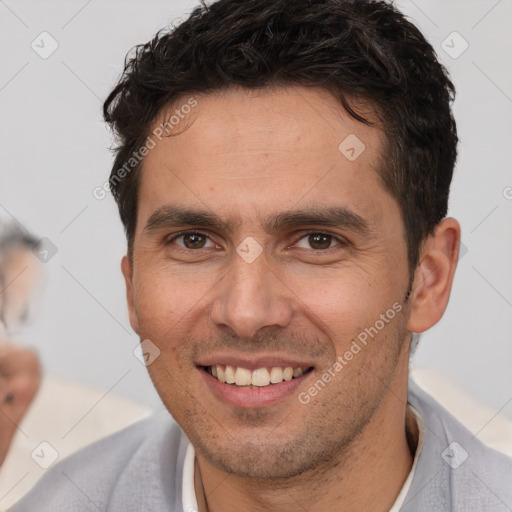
(260, 377)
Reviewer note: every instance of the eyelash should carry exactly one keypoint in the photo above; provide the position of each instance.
(341, 241)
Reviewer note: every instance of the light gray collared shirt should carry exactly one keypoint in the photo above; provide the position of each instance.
(141, 469)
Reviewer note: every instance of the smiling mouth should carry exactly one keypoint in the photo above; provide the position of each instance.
(261, 377)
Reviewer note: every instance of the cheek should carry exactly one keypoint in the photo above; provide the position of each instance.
(346, 302)
(164, 298)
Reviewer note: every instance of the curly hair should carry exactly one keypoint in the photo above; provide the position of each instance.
(360, 51)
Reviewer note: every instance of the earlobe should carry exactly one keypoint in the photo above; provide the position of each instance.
(434, 276)
(127, 270)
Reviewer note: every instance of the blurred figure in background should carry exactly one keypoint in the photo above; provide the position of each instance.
(36, 407)
(20, 369)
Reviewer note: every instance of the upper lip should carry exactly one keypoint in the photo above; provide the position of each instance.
(254, 361)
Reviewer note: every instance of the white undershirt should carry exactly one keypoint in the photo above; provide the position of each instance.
(407, 484)
(189, 496)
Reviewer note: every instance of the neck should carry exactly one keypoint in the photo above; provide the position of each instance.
(367, 476)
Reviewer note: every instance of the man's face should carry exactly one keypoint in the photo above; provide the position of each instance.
(265, 165)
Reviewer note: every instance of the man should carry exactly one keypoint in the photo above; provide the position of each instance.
(282, 174)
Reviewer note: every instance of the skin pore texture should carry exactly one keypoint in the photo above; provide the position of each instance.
(249, 158)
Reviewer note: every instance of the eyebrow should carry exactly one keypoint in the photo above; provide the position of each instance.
(333, 216)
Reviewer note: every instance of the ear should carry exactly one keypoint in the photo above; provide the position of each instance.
(127, 270)
(434, 276)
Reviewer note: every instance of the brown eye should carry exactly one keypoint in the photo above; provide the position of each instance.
(192, 240)
(318, 241)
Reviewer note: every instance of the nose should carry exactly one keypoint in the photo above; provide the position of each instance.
(251, 296)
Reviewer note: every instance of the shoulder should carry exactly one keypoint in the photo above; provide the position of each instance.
(138, 464)
(456, 471)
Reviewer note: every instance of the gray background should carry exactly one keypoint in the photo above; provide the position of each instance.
(54, 153)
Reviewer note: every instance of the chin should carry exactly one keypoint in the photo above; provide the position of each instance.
(276, 460)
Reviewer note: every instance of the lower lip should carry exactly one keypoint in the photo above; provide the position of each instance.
(238, 396)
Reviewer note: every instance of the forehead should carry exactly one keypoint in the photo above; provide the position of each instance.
(251, 151)
(267, 119)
